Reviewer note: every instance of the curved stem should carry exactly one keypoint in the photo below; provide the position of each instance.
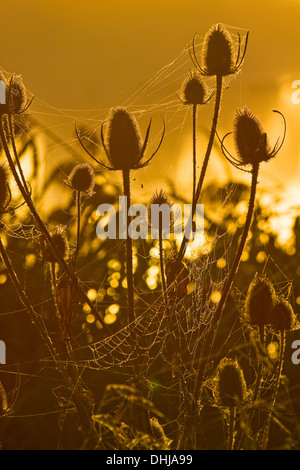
(129, 268)
(194, 152)
(229, 282)
(205, 161)
(44, 230)
(78, 196)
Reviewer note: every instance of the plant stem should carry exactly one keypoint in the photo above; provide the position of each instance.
(45, 232)
(129, 269)
(78, 197)
(194, 152)
(266, 428)
(230, 443)
(228, 284)
(205, 162)
(161, 258)
(235, 266)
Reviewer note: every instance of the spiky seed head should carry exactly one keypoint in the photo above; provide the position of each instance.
(61, 244)
(123, 140)
(160, 198)
(3, 400)
(218, 56)
(231, 386)
(4, 188)
(82, 178)
(16, 95)
(283, 317)
(193, 90)
(260, 300)
(250, 139)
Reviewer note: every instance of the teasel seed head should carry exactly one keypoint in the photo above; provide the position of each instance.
(231, 386)
(251, 141)
(16, 95)
(3, 400)
(61, 244)
(194, 90)
(218, 56)
(159, 198)
(283, 317)
(82, 178)
(123, 139)
(123, 143)
(4, 188)
(260, 300)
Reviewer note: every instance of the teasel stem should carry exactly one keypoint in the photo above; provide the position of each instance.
(232, 413)
(78, 197)
(219, 82)
(53, 276)
(194, 152)
(161, 258)
(129, 268)
(44, 230)
(235, 266)
(266, 428)
(17, 159)
(228, 284)
(33, 314)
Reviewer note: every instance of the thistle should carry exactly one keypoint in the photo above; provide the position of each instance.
(260, 301)
(194, 93)
(194, 90)
(282, 319)
(231, 390)
(16, 99)
(125, 149)
(61, 244)
(159, 199)
(282, 316)
(82, 179)
(253, 148)
(251, 141)
(220, 56)
(230, 386)
(219, 59)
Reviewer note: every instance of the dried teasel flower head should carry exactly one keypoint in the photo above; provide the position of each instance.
(156, 210)
(260, 300)
(283, 317)
(251, 141)
(82, 178)
(231, 386)
(194, 90)
(16, 99)
(220, 56)
(123, 142)
(61, 243)
(5, 195)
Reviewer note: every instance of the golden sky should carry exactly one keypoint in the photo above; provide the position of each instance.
(81, 58)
